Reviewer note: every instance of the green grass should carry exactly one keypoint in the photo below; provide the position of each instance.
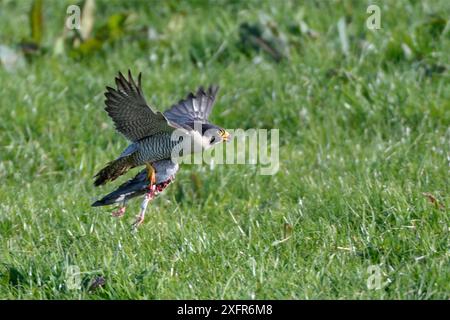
(362, 136)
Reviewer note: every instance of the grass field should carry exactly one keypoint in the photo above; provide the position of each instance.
(364, 132)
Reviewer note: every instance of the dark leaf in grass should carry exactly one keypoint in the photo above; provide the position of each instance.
(97, 283)
(433, 27)
(29, 48)
(265, 38)
(288, 229)
(15, 277)
(434, 68)
(432, 199)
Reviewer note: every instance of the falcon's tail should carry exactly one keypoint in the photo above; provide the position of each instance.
(130, 189)
(113, 170)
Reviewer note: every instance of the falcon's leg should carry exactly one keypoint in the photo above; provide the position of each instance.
(151, 173)
(148, 196)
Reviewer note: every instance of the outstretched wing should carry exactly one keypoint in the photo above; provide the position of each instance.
(132, 116)
(195, 108)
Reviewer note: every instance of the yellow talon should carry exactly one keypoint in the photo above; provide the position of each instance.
(151, 174)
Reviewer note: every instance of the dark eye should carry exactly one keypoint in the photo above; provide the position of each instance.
(212, 139)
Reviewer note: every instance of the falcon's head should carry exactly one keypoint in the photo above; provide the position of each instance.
(206, 135)
(212, 135)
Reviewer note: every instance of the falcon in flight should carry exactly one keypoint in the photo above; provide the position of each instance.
(151, 133)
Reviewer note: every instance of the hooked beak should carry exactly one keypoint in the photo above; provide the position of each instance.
(225, 136)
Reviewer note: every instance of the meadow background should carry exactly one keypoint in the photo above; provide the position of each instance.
(364, 121)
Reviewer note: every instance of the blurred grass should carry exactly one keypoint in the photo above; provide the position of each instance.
(362, 136)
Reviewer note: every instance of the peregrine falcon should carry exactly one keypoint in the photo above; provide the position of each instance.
(150, 132)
